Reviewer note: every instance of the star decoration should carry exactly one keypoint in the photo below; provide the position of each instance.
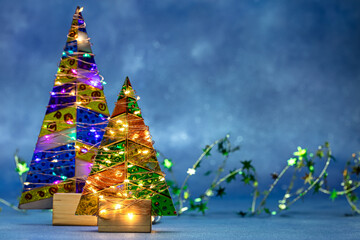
(333, 195)
(202, 207)
(300, 152)
(274, 175)
(308, 178)
(317, 187)
(356, 170)
(167, 163)
(207, 150)
(291, 161)
(246, 179)
(247, 165)
(231, 177)
(22, 168)
(220, 192)
(241, 213)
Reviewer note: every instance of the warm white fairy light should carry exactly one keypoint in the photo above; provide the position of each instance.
(191, 171)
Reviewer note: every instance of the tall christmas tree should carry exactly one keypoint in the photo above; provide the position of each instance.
(73, 126)
(126, 166)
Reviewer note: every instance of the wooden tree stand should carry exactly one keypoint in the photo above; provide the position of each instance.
(124, 215)
(64, 207)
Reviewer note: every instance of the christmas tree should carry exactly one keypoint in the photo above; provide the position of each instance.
(126, 166)
(73, 126)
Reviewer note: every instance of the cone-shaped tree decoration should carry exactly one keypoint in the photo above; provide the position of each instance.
(73, 126)
(126, 167)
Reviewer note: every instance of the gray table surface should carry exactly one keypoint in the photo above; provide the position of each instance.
(312, 219)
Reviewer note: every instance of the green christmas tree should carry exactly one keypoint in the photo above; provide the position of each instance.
(126, 166)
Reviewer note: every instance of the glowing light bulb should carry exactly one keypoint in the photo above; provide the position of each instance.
(84, 150)
(126, 180)
(101, 197)
(80, 38)
(145, 151)
(103, 211)
(55, 160)
(26, 183)
(106, 149)
(191, 171)
(117, 206)
(130, 215)
(127, 92)
(137, 112)
(137, 98)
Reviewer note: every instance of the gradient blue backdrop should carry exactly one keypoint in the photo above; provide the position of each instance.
(273, 74)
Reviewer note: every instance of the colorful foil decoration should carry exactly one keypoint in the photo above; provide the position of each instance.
(73, 126)
(126, 166)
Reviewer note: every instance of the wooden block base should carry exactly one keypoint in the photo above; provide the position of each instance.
(64, 207)
(136, 217)
(122, 223)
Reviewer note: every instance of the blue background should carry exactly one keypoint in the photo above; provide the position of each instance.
(273, 74)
